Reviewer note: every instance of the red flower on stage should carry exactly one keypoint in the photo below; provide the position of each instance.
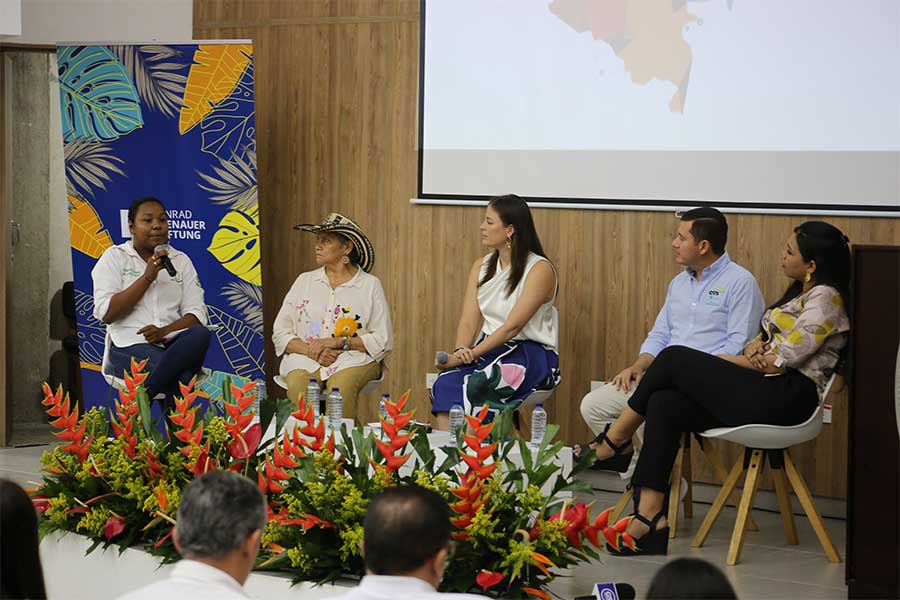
(66, 420)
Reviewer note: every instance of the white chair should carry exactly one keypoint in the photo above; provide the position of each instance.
(772, 441)
(536, 397)
(106, 369)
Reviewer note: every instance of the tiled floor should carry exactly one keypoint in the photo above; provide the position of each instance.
(768, 568)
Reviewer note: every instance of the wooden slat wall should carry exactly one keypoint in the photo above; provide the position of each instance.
(336, 93)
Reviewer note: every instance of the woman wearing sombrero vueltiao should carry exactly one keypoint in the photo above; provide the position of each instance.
(334, 325)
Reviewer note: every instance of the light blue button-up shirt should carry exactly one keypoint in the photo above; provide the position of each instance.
(717, 313)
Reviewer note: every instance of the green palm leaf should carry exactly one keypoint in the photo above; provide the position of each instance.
(88, 166)
(234, 182)
(158, 83)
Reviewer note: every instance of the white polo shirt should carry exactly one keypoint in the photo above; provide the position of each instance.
(165, 301)
(192, 580)
(390, 587)
(312, 309)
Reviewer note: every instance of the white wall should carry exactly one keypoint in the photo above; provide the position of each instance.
(52, 21)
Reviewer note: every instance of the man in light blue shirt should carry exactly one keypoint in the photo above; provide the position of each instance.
(714, 305)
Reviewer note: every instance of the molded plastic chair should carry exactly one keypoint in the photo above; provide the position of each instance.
(106, 369)
(772, 441)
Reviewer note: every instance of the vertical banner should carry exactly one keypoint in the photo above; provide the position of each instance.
(176, 122)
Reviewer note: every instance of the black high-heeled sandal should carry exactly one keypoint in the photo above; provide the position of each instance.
(622, 543)
(618, 462)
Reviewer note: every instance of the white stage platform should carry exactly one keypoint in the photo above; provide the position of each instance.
(106, 574)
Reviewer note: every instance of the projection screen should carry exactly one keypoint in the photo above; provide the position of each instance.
(763, 105)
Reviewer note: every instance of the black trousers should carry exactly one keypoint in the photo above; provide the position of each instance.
(688, 390)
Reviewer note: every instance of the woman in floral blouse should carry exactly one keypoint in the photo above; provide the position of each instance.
(777, 380)
(334, 325)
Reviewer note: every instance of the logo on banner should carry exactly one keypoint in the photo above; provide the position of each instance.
(182, 225)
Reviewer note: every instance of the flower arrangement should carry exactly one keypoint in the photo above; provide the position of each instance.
(124, 490)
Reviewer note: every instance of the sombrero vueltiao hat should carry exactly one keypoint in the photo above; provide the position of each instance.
(338, 223)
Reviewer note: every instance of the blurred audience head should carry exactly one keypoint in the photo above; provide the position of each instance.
(220, 521)
(690, 579)
(401, 515)
(21, 575)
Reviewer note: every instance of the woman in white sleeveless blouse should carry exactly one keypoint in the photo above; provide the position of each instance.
(506, 341)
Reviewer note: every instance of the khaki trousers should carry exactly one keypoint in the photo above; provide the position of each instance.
(350, 381)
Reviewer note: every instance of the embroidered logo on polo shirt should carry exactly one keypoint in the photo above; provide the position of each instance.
(715, 295)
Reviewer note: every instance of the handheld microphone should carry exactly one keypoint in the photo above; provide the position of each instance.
(611, 591)
(165, 260)
(441, 358)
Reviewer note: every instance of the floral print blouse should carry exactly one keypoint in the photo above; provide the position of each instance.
(808, 333)
(312, 309)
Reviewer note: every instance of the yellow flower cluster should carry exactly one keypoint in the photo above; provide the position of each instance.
(215, 431)
(438, 483)
(299, 559)
(517, 555)
(484, 529)
(57, 460)
(96, 423)
(351, 538)
(58, 510)
(94, 520)
(530, 499)
(552, 538)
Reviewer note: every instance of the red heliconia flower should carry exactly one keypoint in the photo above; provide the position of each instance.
(576, 518)
(113, 527)
(185, 419)
(161, 498)
(66, 421)
(391, 428)
(204, 463)
(488, 579)
(246, 443)
(154, 467)
(592, 531)
(41, 503)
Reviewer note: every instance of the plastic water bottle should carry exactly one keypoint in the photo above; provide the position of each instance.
(538, 425)
(382, 407)
(260, 395)
(457, 421)
(335, 410)
(312, 396)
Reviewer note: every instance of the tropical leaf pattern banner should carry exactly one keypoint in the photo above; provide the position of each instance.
(176, 122)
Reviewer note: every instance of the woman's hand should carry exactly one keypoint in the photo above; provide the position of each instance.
(154, 266)
(328, 356)
(453, 361)
(466, 356)
(317, 346)
(152, 333)
(755, 352)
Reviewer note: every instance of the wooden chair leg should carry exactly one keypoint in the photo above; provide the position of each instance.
(754, 469)
(675, 492)
(806, 501)
(728, 485)
(621, 505)
(712, 454)
(784, 504)
(686, 472)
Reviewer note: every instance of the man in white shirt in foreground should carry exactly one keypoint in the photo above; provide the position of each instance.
(406, 545)
(220, 521)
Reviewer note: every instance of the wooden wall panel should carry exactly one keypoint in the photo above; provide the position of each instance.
(336, 92)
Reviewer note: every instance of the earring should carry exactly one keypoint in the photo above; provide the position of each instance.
(345, 259)
(807, 278)
(508, 243)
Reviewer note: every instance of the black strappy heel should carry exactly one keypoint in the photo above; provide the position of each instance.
(618, 462)
(622, 543)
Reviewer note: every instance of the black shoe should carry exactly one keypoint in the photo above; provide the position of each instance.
(618, 462)
(620, 543)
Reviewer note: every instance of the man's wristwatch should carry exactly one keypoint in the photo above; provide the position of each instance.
(345, 343)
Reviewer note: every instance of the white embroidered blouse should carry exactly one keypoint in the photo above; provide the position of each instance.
(312, 309)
